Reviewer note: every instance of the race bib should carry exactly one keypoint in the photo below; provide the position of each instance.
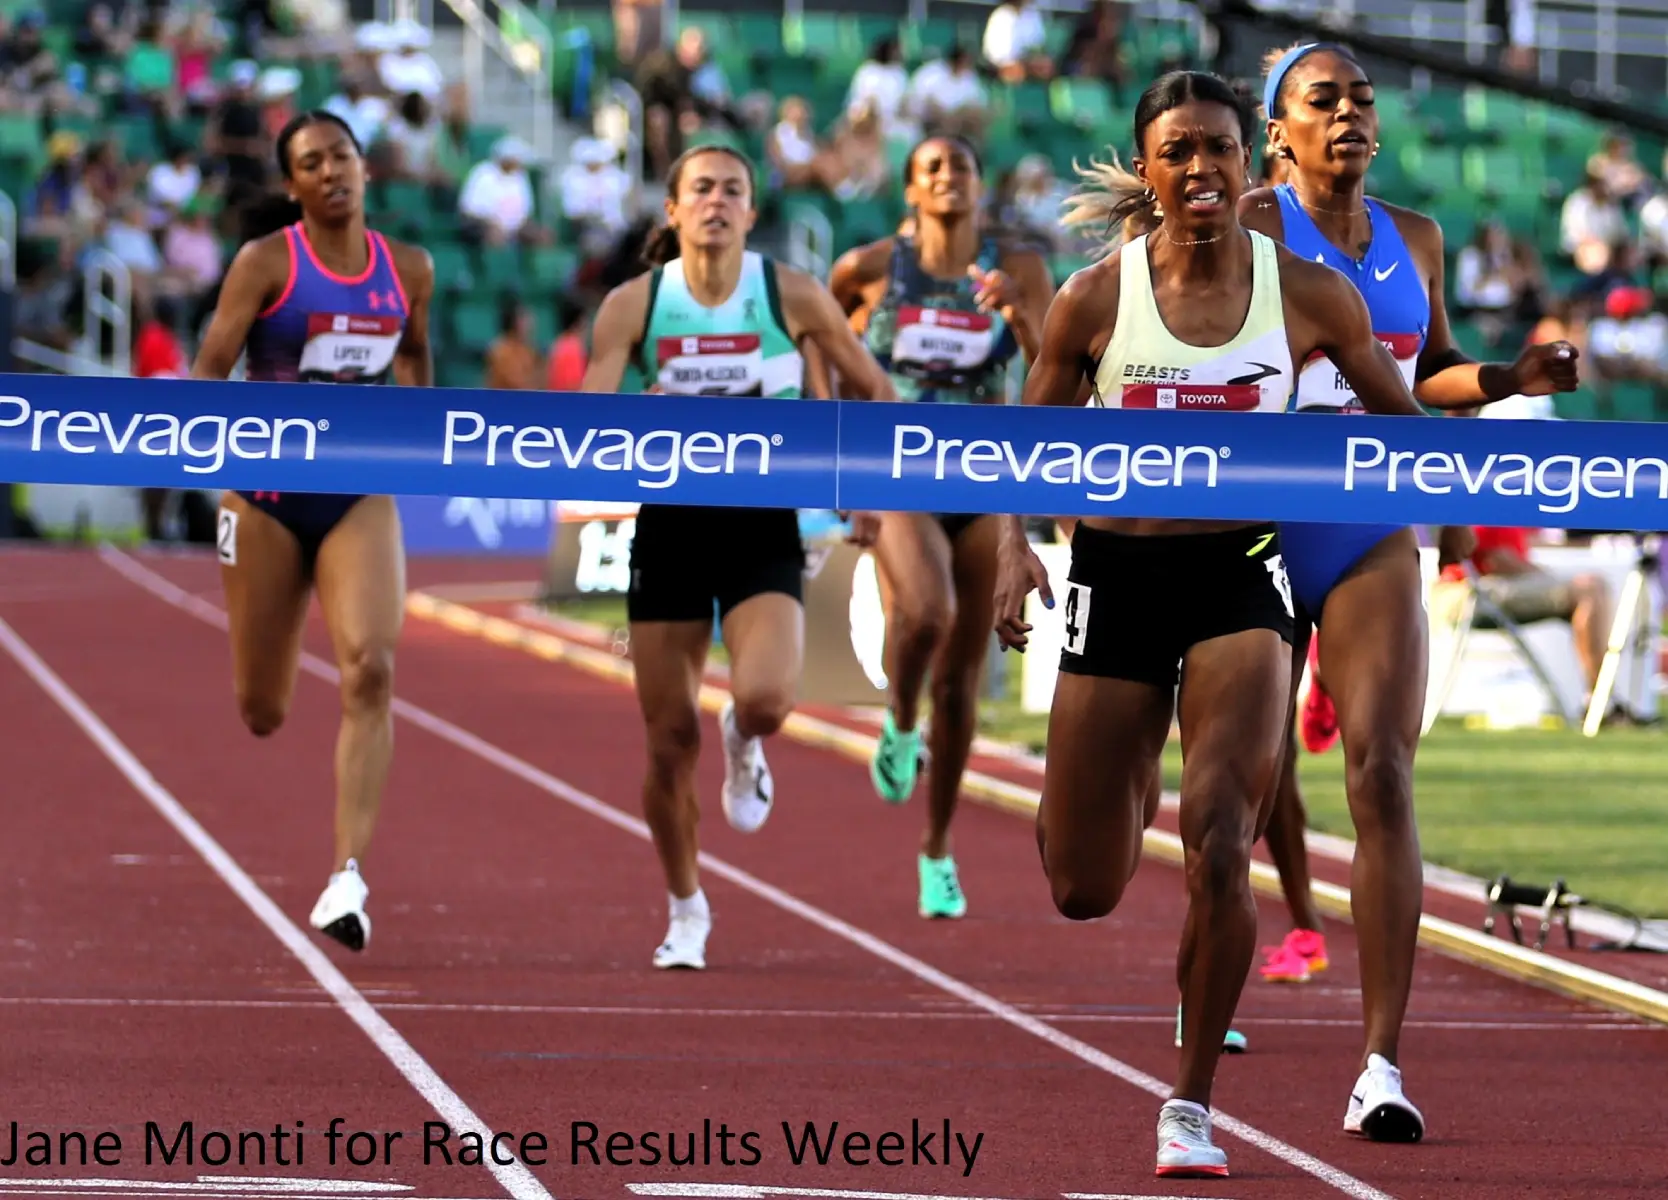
(711, 365)
(349, 347)
(1321, 387)
(1195, 397)
(938, 339)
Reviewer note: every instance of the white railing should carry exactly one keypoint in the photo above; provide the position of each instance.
(810, 242)
(114, 310)
(619, 119)
(520, 38)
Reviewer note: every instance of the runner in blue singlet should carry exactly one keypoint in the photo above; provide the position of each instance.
(1361, 584)
(948, 310)
(316, 297)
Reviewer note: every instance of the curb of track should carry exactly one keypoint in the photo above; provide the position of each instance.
(1435, 933)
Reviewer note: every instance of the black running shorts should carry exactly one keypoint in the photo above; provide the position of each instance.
(1134, 606)
(687, 562)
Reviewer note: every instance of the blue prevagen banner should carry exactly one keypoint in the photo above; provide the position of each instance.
(832, 454)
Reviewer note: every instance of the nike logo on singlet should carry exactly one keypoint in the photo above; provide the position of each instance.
(1264, 373)
(1258, 548)
(1381, 276)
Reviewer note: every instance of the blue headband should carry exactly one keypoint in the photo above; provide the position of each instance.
(1277, 75)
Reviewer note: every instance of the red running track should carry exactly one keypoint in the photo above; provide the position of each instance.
(516, 903)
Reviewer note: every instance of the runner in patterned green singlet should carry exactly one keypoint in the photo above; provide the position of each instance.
(947, 311)
(715, 319)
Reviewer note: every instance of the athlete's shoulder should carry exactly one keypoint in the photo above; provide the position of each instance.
(413, 264)
(1090, 294)
(1422, 233)
(862, 264)
(1259, 209)
(625, 308)
(261, 261)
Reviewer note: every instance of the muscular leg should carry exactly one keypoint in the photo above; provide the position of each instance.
(1105, 737)
(1374, 643)
(361, 585)
(914, 556)
(955, 679)
(1233, 701)
(667, 658)
(266, 606)
(765, 636)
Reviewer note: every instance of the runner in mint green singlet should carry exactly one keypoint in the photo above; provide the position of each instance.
(715, 319)
(947, 312)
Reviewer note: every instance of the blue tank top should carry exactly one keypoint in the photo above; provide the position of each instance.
(1387, 278)
(930, 337)
(327, 328)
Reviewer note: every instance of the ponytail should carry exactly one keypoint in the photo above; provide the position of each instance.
(660, 247)
(1113, 197)
(266, 215)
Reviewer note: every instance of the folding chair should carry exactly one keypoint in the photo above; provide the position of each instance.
(1497, 619)
(1632, 621)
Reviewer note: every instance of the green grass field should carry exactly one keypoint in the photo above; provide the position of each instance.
(1534, 804)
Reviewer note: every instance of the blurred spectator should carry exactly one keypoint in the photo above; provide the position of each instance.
(638, 29)
(679, 94)
(1624, 179)
(860, 150)
(497, 198)
(511, 360)
(105, 32)
(198, 45)
(791, 147)
(1591, 221)
(1493, 285)
(150, 77)
(1628, 338)
(568, 358)
(276, 90)
(882, 80)
(235, 133)
(411, 140)
(1030, 204)
(1095, 48)
(408, 67)
(62, 205)
(191, 251)
(46, 285)
(363, 111)
(946, 96)
(595, 192)
(171, 183)
(1527, 593)
(28, 69)
(1015, 41)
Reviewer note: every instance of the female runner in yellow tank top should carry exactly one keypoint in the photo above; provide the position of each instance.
(1198, 311)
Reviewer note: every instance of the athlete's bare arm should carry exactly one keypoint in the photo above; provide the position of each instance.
(1075, 330)
(1025, 306)
(255, 279)
(1447, 378)
(414, 360)
(614, 334)
(814, 315)
(1331, 316)
(859, 275)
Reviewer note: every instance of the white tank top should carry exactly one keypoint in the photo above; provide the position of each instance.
(1146, 366)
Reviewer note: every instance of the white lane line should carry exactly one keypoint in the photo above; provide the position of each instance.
(515, 1177)
(885, 951)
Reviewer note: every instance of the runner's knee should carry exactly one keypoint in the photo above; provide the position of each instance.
(762, 708)
(1219, 853)
(1379, 785)
(674, 743)
(368, 678)
(919, 623)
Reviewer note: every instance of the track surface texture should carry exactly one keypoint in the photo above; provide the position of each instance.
(155, 963)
